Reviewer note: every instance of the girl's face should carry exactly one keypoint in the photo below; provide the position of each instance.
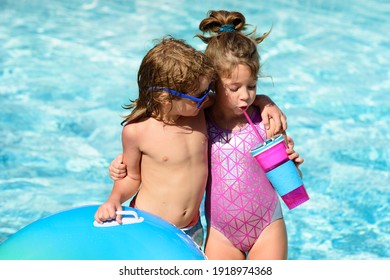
(237, 93)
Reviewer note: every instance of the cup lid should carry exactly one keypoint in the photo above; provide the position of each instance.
(270, 142)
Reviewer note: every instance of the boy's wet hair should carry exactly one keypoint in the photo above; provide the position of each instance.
(227, 45)
(173, 64)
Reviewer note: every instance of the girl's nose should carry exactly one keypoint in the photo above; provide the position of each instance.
(244, 94)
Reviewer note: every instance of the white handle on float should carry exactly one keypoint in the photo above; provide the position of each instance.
(126, 219)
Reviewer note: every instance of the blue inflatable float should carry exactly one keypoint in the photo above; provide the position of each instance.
(73, 235)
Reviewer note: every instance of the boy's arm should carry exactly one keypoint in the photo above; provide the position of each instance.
(131, 158)
(125, 188)
(118, 168)
(274, 120)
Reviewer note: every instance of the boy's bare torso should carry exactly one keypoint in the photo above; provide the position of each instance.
(173, 168)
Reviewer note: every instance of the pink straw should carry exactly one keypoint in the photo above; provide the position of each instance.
(253, 126)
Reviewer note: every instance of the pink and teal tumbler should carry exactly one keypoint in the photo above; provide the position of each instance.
(281, 171)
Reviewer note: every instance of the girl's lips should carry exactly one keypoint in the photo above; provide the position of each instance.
(243, 108)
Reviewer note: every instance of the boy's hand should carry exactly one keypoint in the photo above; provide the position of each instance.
(107, 212)
(279, 120)
(273, 118)
(117, 168)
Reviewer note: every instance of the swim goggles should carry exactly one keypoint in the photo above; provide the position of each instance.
(198, 100)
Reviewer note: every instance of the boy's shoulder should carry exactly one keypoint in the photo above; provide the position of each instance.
(140, 126)
(134, 129)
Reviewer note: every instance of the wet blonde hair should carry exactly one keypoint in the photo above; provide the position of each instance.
(229, 49)
(172, 64)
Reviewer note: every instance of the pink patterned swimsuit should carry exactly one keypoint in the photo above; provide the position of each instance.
(241, 202)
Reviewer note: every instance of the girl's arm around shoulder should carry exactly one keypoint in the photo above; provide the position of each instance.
(274, 120)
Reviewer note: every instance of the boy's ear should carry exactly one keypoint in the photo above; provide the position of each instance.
(164, 98)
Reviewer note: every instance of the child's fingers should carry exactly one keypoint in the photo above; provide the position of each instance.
(290, 142)
(284, 122)
(101, 215)
(119, 216)
(278, 128)
(119, 158)
(296, 159)
(121, 168)
(293, 155)
(117, 170)
(266, 122)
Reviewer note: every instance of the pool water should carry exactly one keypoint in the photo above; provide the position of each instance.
(67, 67)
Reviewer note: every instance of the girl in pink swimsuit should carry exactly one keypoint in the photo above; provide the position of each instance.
(242, 208)
(241, 201)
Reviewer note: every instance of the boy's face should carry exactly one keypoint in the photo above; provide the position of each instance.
(238, 91)
(191, 103)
